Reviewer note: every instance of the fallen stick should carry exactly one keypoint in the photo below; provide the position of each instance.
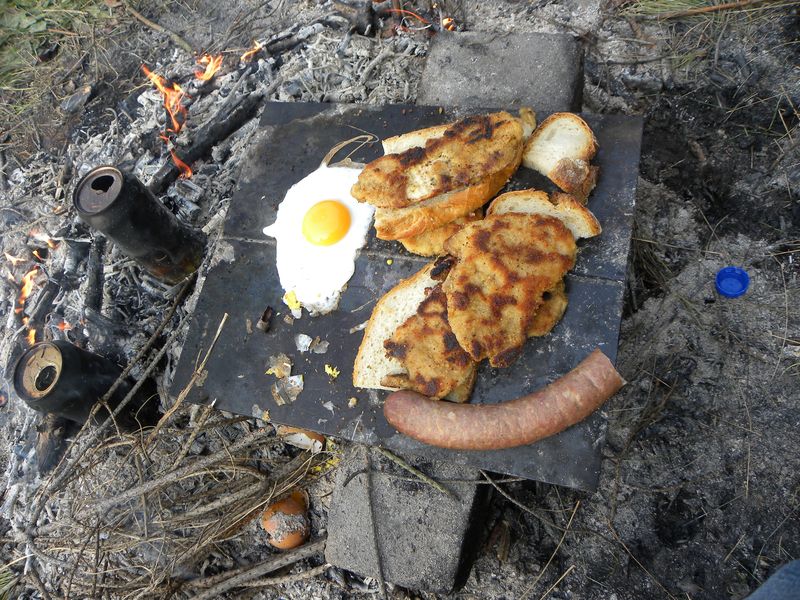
(159, 28)
(268, 566)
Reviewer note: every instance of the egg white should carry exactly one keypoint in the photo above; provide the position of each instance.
(318, 274)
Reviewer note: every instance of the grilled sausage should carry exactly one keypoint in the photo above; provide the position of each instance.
(518, 422)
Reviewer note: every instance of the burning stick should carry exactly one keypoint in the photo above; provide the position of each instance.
(251, 54)
(211, 65)
(173, 95)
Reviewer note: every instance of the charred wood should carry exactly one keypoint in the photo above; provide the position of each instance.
(93, 286)
(51, 440)
(208, 136)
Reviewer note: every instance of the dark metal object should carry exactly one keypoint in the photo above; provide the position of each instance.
(297, 136)
(120, 206)
(61, 379)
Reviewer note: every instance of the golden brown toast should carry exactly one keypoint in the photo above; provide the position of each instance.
(397, 223)
(468, 152)
(565, 207)
(373, 368)
(505, 264)
(428, 350)
(554, 305)
(431, 242)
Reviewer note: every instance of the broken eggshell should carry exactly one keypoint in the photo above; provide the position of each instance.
(302, 438)
(286, 521)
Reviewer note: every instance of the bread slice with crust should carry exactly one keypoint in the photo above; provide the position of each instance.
(578, 219)
(561, 148)
(431, 242)
(397, 223)
(468, 152)
(417, 139)
(373, 368)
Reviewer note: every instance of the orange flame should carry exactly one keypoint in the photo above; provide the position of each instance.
(401, 11)
(14, 260)
(40, 236)
(27, 288)
(64, 326)
(186, 170)
(31, 337)
(173, 99)
(38, 256)
(212, 64)
(247, 56)
(449, 23)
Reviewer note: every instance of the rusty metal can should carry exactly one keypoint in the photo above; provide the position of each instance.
(120, 206)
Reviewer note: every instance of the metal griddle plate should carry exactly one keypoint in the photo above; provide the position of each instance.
(294, 138)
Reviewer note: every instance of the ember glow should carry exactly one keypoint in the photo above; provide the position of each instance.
(211, 65)
(31, 337)
(247, 56)
(64, 326)
(449, 24)
(186, 170)
(408, 13)
(173, 96)
(40, 236)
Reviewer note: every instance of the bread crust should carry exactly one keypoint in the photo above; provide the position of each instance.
(394, 224)
(561, 148)
(468, 152)
(566, 207)
(431, 242)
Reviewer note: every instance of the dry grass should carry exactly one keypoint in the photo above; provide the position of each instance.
(41, 44)
(691, 37)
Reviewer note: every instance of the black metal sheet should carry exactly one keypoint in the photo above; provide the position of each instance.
(244, 281)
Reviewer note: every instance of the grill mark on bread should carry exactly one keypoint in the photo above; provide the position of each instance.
(428, 349)
(505, 264)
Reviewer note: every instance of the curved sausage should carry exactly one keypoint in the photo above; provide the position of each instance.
(518, 422)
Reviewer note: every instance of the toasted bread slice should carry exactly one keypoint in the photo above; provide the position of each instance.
(427, 348)
(578, 219)
(413, 139)
(397, 223)
(561, 149)
(420, 137)
(505, 264)
(468, 152)
(431, 242)
(372, 367)
(554, 305)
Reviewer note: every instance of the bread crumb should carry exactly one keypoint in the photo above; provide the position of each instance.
(332, 371)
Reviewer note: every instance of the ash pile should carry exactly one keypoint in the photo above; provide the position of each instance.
(96, 505)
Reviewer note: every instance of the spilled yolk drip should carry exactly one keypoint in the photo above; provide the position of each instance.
(326, 223)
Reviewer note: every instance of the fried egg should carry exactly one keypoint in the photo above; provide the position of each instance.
(319, 230)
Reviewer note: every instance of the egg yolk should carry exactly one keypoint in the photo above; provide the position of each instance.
(326, 223)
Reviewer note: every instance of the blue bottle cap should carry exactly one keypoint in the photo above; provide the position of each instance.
(732, 282)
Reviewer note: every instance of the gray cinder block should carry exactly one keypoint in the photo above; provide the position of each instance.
(427, 540)
(508, 70)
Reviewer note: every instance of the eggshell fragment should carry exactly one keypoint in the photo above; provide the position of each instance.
(302, 438)
(286, 521)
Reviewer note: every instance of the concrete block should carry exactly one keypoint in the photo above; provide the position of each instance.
(426, 539)
(509, 70)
